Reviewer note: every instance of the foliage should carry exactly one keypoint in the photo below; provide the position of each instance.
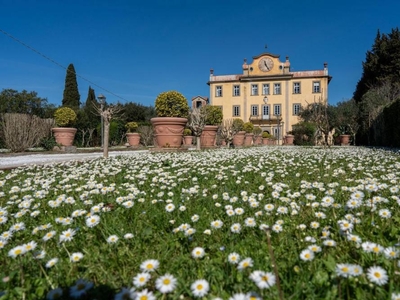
(131, 127)
(48, 143)
(257, 131)
(171, 104)
(12, 101)
(22, 131)
(381, 65)
(248, 127)
(90, 105)
(71, 97)
(187, 132)
(303, 133)
(391, 136)
(289, 202)
(138, 112)
(266, 135)
(213, 114)
(64, 117)
(238, 124)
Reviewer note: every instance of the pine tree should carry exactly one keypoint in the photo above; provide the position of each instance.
(71, 97)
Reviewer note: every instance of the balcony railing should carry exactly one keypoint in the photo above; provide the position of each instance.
(264, 119)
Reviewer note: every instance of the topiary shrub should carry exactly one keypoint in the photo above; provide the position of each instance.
(171, 104)
(131, 127)
(257, 131)
(248, 127)
(64, 117)
(213, 114)
(238, 124)
(187, 132)
(266, 135)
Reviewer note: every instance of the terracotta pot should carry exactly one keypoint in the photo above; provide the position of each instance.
(271, 141)
(208, 136)
(289, 139)
(64, 135)
(265, 141)
(133, 139)
(344, 139)
(188, 139)
(248, 140)
(238, 139)
(258, 140)
(168, 131)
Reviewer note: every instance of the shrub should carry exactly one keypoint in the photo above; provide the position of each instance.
(213, 115)
(238, 124)
(257, 131)
(266, 135)
(131, 127)
(171, 104)
(64, 117)
(248, 127)
(303, 133)
(187, 132)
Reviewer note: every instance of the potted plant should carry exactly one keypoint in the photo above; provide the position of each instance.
(187, 136)
(213, 118)
(344, 136)
(268, 139)
(248, 128)
(257, 135)
(64, 118)
(238, 128)
(131, 134)
(172, 111)
(289, 138)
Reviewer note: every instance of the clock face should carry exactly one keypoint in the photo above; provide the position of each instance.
(266, 64)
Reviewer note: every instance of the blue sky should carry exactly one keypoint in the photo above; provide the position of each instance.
(135, 50)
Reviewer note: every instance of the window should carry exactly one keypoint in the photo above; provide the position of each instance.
(265, 90)
(277, 109)
(277, 88)
(236, 110)
(254, 110)
(198, 104)
(316, 87)
(296, 109)
(265, 112)
(236, 90)
(218, 91)
(296, 88)
(254, 89)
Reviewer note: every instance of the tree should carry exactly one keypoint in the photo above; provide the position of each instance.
(12, 101)
(90, 103)
(196, 123)
(344, 117)
(382, 64)
(71, 97)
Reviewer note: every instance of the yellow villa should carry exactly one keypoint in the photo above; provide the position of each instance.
(268, 93)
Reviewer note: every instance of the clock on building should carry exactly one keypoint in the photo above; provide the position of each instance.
(266, 64)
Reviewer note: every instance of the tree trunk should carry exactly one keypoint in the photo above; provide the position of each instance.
(106, 138)
(198, 142)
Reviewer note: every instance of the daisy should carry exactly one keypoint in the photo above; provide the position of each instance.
(314, 248)
(51, 262)
(195, 218)
(263, 280)
(217, 224)
(250, 222)
(54, 294)
(356, 270)
(239, 296)
(239, 211)
(190, 232)
(343, 270)
(235, 228)
(75, 257)
(80, 288)
(48, 235)
(141, 279)
(128, 236)
(112, 239)
(277, 228)
(67, 235)
(395, 296)
(391, 253)
(92, 220)
(314, 225)
(198, 252)
(3, 242)
(245, 263)
(170, 207)
(329, 243)
(307, 255)
(149, 265)
(30, 246)
(377, 275)
(233, 258)
(166, 283)
(200, 288)
(385, 213)
(16, 251)
(145, 295)
(269, 207)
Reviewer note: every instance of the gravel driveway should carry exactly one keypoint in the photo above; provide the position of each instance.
(9, 162)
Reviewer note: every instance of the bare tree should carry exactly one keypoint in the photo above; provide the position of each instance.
(146, 135)
(107, 114)
(228, 131)
(196, 123)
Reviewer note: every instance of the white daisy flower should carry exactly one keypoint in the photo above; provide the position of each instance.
(198, 252)
(200, 288)
(141, 279)
(166, 283)
(377, 275)
(149, 265)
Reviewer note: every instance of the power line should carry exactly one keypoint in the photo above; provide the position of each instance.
(59, 65)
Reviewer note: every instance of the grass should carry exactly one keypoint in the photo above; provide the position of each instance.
(304, 216)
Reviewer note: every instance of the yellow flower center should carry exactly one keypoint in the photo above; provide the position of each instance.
(199, 287)
(149, 266)
(377, 275)
(345, 269)
(166, 281)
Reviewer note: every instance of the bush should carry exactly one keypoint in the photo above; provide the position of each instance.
(237, 124)
(303, 133)
(266, 135)
(213, 115)
(48, 143)
(64, 117)
(248, 127)
(187, 132)
(257, 131)
(171, 104)
(131, 127)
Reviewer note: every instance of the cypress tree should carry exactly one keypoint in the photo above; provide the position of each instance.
(71, 97)
(90, 102)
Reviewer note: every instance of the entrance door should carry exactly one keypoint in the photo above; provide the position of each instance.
(265, 112)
